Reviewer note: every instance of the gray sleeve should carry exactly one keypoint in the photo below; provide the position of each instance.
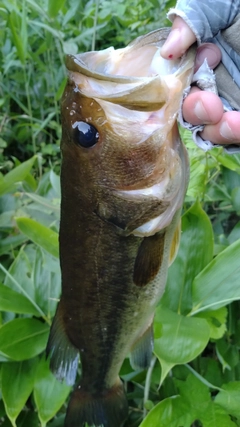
(206, 17)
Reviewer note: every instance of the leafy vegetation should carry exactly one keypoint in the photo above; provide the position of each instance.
(194, 377)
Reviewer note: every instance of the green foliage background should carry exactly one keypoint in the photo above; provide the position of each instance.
(194, 378)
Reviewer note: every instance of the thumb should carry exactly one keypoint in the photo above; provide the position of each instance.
(179, 40)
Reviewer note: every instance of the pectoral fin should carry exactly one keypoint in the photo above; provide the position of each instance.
(63, 355)
(175, 243)
(129, 214)
(141, 353)
(149, 259)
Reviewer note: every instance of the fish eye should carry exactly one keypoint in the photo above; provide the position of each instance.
(85, 134)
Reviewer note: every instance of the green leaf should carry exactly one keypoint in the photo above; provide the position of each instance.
(14, 27)
(55, 181)
(176, 341)
(17, 385)
(197, 177)
(15, 302)
(18, 174)
(235, 233)
(36, 274)
(216, 320)
(11, 242)
(39, 234)
(229, 161)
(195, 252)
(49, 394)
(228, 398)
(236, 198)
(215, 416)
(54, 7)
(22, 339)
(194, 391)
(228, 354)
(171, 412)
(218, 284)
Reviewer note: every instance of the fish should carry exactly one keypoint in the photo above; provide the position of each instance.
(124, 176)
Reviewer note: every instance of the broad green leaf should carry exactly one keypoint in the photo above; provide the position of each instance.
(218, 284)
(47, 281)
(15, 302)
(45, 204)
(235, 233)
(22, 339)
(55, 181)
(199, 401)
(3, 357)
(17, 385)
(14, 27)
(36, 274)
(197, 181)
(215, 416)
(228, 354)
(193, 403)
(230, 179)
(18, 174)
(49, 394)
(216, 320)
(236, 198)
(39, 234)
(6, 219)
(228, 398)
(195, 394)
(176, 340)
(229, 161)
(195, 252)
(11, 242)
(54, 7)
(171, 412)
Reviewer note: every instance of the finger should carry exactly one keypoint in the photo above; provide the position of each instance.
(201, 107)
(227, 131)
(210, 52)
(179, 40)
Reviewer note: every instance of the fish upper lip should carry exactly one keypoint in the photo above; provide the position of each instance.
(75, 64)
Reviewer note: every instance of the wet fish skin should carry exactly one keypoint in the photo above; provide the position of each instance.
(119, 230)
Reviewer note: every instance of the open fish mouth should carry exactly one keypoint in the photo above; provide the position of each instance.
(136, 76)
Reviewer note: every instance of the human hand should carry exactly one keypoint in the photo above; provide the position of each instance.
(202, 107)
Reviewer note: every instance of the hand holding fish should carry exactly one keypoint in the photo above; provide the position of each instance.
(202, 107)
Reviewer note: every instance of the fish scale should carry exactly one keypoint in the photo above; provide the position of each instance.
(123, 179)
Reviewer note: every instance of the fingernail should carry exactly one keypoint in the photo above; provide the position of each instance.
(171, 42)
(210, 52)
(200, 111)
(226, 131)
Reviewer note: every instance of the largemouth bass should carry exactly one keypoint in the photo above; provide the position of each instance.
(124, 177)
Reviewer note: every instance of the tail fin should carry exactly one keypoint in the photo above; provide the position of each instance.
(108, 409)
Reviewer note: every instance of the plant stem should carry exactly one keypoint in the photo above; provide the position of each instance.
(148, 384)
